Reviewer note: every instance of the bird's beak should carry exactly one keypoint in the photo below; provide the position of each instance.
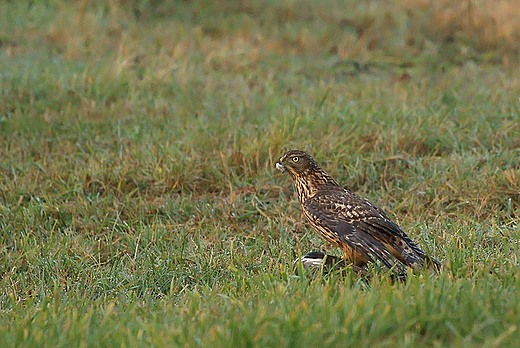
(280, 166)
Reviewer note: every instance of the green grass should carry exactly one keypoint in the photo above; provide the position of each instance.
(139, 205)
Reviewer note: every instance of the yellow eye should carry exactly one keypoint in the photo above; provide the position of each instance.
(295, 159)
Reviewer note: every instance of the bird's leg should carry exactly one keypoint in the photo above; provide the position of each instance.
(354, 258)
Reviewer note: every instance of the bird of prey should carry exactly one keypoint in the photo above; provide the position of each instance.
(358, 227)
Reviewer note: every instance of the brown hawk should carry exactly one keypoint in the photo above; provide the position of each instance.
(359, 228)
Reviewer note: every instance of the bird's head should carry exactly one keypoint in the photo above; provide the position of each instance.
(296, 162)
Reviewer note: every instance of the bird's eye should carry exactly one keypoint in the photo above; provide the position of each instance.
(295, 159)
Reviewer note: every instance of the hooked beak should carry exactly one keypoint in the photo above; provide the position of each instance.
(280, 167)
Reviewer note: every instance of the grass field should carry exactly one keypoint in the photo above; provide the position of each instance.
(139, 205)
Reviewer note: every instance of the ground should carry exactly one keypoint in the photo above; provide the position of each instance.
(139, 204)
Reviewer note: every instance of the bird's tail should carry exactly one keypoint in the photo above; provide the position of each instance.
(433, 264)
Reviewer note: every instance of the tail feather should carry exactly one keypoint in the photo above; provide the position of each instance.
(433, 264)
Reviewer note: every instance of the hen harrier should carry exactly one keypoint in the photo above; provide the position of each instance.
(359, 228)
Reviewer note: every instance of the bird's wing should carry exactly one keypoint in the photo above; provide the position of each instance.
(352, 217)
(374, 220)
(344, 216)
